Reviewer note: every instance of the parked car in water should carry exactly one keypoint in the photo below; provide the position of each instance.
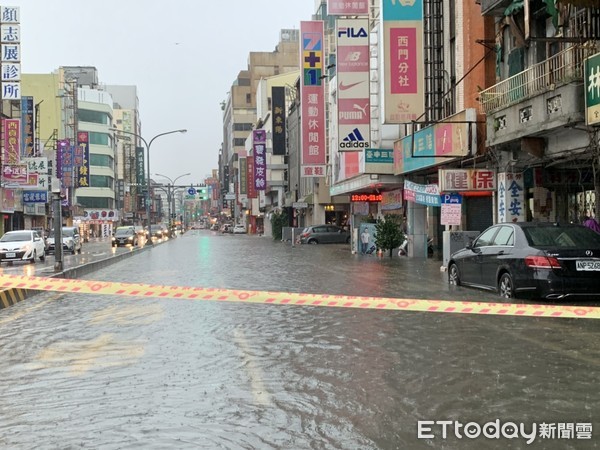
(324, 234)
(72, 241)
(239, 229)
(541, 260)
(127, 235)
(22, 245)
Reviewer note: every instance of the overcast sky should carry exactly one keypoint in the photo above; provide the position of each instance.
(183, 56)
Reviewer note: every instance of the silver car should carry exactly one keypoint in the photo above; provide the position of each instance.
(324, 234)
(71, 240)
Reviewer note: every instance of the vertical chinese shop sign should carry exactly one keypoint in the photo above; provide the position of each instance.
(511, 197)
(259, 155)
(278, 114)
(12, 141)
(404, 90)
(250, 179)
(312, 97)
(27, 126)
(81, 160)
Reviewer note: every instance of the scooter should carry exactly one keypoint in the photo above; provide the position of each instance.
(403, 249)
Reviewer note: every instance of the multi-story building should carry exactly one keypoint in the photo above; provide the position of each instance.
(536, 113)
(74, 117)
(239, 111)
(453, 44)
(127, 119)
(43, 89)
(272, 101)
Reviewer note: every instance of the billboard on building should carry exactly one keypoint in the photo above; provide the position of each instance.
(437, 144)
(404, 83)
(353, 93)
(346, 8)
(312, 95)
(591, 81)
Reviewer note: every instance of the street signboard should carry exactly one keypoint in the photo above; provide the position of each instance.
(592, 89)
(191, 191)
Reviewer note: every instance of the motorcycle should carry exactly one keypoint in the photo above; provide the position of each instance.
(403, 249)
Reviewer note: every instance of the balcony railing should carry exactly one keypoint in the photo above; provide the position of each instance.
(562, 68)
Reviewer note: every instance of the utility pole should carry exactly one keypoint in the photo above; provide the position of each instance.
(57, 222)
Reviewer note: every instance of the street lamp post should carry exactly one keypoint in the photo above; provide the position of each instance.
(171, 195)
(148, 144)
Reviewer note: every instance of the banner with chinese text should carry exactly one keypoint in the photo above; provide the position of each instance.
(10, 63)
(346, 8)
(259, 155)
(422, 194)
(403, 62)
(312, 96)
(12, 141)
(511, 197)
(27, 126)
(278, 119)
(457, 180)
(81, 160)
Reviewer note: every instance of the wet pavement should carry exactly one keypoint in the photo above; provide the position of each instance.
(107, 372)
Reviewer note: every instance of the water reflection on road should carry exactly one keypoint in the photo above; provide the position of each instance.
(149, 373)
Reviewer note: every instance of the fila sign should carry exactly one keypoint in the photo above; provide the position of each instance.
(353, 93)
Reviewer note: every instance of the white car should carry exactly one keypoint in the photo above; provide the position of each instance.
(239, 229)
(23, 245)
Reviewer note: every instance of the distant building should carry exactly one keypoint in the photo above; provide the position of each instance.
(239, 110)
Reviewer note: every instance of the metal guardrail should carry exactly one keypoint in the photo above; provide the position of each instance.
(560, 69)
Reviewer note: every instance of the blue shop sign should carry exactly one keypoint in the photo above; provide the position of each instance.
(35, 196)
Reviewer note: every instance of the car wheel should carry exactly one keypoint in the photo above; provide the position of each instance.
(505, 286)
(43, 257)
(453, 275)
(313, 241)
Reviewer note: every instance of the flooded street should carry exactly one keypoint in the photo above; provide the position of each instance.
(98, 371)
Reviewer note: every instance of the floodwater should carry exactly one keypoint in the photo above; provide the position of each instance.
(100, 371)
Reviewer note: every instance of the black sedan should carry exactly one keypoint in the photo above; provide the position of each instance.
(541, 260)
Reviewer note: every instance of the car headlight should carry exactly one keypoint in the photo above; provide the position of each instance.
(130, 238)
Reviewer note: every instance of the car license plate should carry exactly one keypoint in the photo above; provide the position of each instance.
(11, 255)
(588, 265)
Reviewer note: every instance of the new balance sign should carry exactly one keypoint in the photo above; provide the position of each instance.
(354, 140)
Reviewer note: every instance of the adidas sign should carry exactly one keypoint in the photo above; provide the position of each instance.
(354, 140)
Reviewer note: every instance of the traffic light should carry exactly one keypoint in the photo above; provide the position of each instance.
(202, 193)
